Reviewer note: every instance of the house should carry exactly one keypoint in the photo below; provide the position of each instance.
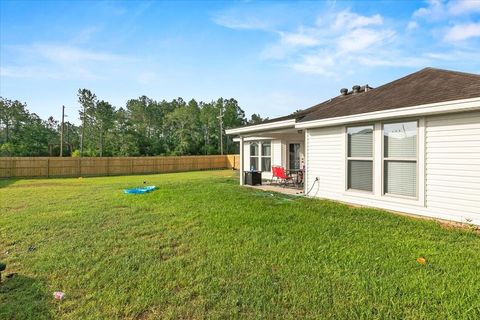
(411, 145)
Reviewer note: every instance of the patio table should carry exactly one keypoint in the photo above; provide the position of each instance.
(298, 174)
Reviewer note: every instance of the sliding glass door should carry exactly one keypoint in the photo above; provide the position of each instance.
(294, 156)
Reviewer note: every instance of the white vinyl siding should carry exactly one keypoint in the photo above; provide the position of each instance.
(453, 164)
(325, 160)
(448, 176)
(277, 153)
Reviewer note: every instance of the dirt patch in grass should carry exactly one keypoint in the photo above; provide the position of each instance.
(16, 208)
(172, 248)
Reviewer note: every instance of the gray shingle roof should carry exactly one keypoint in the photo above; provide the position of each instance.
(429, 85)
(426, 86)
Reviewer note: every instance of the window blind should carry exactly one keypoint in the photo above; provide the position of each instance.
(400, 158)
(254, 156)
(360, 158)
(360, 142)
(266, 156)
(360, 175)
(401, 178)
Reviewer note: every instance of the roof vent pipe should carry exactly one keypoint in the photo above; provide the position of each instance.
(356, 89)
(344, 91)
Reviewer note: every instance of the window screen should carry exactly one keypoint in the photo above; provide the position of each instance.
(254, 156)
(360, 158)
(266, 156)
(400, 158)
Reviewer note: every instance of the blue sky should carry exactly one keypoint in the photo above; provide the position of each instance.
(273, 57)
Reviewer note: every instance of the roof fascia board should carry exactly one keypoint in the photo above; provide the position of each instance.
(263, 127)
(253, 139)
(420, 110)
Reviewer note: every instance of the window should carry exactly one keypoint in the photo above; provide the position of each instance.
(254, 156)
(400, 159)
(360, 158)
(266, 156)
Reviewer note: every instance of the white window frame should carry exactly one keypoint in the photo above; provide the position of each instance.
(400, 159)
(263, 157)
(372, 159)
(377, 197)
(260, 155)
(254, 156)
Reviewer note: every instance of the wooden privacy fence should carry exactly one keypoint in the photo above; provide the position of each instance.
(18, 167)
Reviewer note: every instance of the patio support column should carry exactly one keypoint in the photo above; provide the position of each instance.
(241, 161)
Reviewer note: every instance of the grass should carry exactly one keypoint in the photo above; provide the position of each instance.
(203, 247)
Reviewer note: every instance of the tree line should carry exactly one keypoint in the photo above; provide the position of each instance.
(144, 127)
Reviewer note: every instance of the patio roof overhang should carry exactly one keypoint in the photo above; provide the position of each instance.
(262, 128)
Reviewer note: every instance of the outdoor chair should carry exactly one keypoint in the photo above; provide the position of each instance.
(281, 175)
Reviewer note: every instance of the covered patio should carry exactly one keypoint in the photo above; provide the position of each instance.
(293, 191)
(269, 147)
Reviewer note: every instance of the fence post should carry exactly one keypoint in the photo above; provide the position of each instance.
(48, 167)
(79, 167)
(131, 165)
(108, 166)
(11, 168)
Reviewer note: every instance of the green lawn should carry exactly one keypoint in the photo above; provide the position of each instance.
(203, 247)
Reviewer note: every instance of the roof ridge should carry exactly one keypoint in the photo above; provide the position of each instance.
(453, 71)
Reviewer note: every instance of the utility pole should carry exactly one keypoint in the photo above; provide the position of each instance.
(83, 132)
(221, 129)
(61, 131)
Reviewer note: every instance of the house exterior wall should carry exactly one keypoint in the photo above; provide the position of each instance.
(453, 164)
(448, 168)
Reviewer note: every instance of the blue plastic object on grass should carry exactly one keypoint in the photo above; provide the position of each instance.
(139, 190)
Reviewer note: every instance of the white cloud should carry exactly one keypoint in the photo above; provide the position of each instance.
(463, 7)
(242, 18)
(322, 63)
(412, 25)
(58, 61)
(349, 20)
(438, 9)
(434, 10)
(299, 39)
(363, 38)
(461, 32)
(336, 39)
(457, 14)
(232, 22)
(70, 54)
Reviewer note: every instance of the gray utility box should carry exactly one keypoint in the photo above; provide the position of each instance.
(253, 178)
